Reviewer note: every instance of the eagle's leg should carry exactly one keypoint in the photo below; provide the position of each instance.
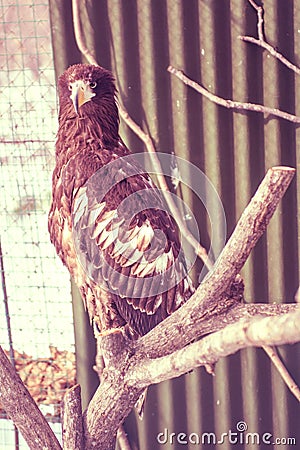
(111, 342)
(101, 361)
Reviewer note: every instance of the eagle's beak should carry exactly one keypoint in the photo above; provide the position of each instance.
(81, 93)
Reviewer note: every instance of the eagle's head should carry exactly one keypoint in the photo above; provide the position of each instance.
(87, 92)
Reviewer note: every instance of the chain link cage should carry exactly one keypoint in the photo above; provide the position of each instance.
(36, 328)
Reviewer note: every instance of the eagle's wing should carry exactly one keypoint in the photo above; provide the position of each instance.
(128, 243)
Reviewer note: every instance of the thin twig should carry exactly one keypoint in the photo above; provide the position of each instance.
(261, 42)
(199, 249)
(272, 52)
(231, 104)
(260, 19)
(79, 34)
(286, 376)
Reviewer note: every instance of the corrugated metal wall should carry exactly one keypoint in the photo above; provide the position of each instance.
(138, 39)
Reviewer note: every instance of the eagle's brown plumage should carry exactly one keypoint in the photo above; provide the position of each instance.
(108, 221)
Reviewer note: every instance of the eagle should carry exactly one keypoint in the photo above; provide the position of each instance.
(108, 221)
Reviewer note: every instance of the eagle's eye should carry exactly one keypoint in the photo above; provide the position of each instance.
(93, 84)
(70, 87)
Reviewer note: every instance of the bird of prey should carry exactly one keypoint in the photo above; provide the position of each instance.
(107, 220)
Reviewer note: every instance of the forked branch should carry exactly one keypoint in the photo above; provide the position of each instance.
(255, 332)
(246, 106)
(261, 41)
(215, 295)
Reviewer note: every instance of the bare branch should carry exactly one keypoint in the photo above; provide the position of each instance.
(247, 333)
(286, 376)
(260, 19)
(214, 297)
(261, 42)
(272, 52)
(79, 36)
(231, 104)
(112, 402)
(21, 408)
(121, 385)
(72, 425)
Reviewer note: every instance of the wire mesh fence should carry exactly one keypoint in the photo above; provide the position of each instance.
(36, 328)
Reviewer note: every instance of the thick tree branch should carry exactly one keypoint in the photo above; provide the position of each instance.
(246, 333)
(21, 408)
(111, 404)
(121, 385)
(72, 425)
(214, 297)
(231, 104)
